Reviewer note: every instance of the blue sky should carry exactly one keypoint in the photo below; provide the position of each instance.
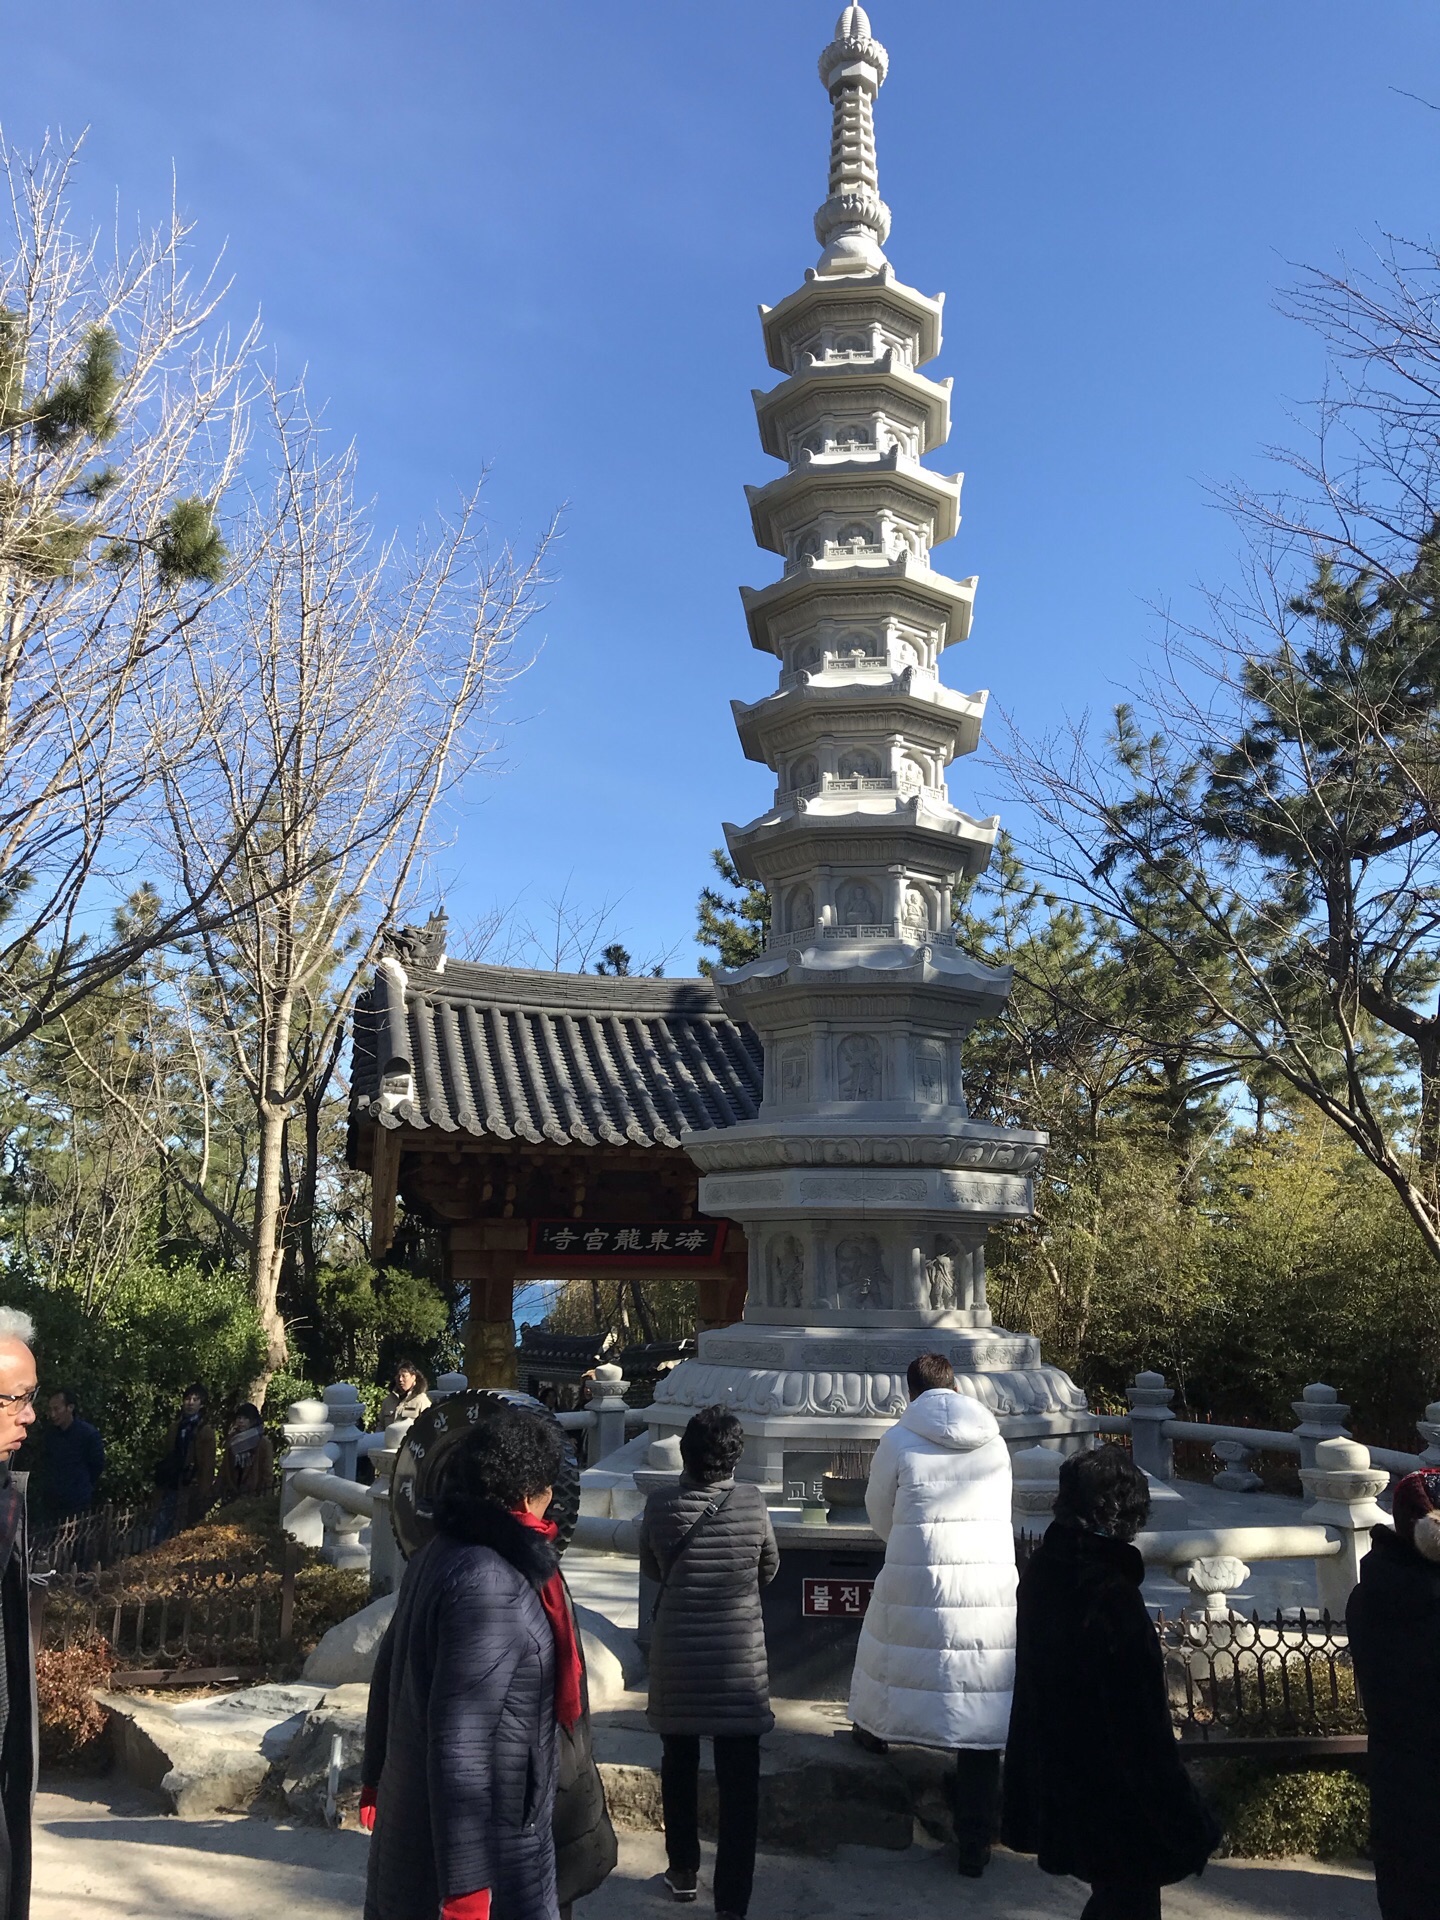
(534, 236)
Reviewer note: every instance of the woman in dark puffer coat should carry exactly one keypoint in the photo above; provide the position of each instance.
(1394, 1623)
(710, 1544)
(478, 1665)
(585, 1846)
(1093, 1782)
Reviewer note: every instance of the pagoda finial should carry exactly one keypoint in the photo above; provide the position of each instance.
(854, 222)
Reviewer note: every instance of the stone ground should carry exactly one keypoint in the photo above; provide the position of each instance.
(103, 1851)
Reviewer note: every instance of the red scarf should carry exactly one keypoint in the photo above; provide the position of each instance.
(557, 1610)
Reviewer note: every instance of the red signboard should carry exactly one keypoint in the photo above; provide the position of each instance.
(669, 1243)
(835, 1599)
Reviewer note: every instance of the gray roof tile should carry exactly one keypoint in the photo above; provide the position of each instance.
(553, 1056)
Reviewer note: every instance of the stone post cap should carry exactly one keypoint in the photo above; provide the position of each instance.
(1221, 1574)
(610, 1383)
(1341, 1456)
(395, 1434)
(1150, 1393)
(1321, 1411)
(306, 1413)
(663, 1455)
(1035, 1464)
(1432, 1412)
(447, 1384)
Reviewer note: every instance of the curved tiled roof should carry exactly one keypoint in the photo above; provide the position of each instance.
(579, 1058)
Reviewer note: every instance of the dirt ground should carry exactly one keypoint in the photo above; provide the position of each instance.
(103, 1851)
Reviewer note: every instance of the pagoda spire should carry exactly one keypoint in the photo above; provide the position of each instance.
(854, 223)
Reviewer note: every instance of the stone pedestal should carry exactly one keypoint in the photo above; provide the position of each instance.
(308, 1437)
(1343, 1488)
(346, 1415)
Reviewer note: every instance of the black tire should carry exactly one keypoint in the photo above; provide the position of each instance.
(422, 1457)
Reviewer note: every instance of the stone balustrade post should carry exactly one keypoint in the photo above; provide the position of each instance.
(608, 1406)
(346, 1414)
(663, 1465)
(1237, 1474)
(340, 1543)
(1322, 1417)
(307, 1432)
(1150, 1397)
(1342, 1487)
(1211, 1582)
(1034, 1483)
(448, 1384)
(386, 1562)
(1429, 1431)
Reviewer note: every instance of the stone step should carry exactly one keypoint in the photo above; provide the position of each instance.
(818, 1790)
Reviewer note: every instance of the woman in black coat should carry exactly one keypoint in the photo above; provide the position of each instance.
(1394, 1623)
(586, 1850)
(1094, 1783)
(479, 1664)
(709, 1542)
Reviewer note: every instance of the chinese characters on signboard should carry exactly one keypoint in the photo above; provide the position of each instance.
(675, 1241)
(835, 1599)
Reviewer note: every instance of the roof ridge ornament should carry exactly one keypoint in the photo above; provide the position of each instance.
(854, 223)
(413, 946)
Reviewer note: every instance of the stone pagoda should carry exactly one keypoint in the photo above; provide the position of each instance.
(865, 1190)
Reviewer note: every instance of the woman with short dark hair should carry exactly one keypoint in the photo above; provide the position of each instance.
(1094, 1783)
(477, 1668)
(247, 1466)
(408, 1397)
(709, 1543)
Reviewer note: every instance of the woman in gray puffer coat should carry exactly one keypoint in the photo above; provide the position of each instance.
(709, 1543)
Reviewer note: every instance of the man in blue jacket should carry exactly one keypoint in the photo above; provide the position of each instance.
(72, 1459)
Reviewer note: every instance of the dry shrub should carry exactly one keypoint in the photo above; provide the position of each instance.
(72, 1723)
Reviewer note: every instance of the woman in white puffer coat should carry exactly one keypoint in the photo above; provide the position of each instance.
(936, 1660)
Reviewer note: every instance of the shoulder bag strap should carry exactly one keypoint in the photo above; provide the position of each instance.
(681, 1544)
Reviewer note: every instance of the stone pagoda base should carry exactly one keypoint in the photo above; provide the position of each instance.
(809, 1395)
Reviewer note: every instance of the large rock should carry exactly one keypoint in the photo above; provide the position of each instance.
(207, 1756)
(346, 1655)
(306, 1780)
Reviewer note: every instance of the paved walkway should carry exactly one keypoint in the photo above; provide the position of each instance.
(108, 1856)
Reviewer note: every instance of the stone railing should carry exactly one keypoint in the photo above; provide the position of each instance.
(1342, 1487)
(323, 1505)
(841, 783)
(908, 930)
(1153, 1431)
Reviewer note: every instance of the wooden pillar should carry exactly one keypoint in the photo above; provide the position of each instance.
(488, 1271)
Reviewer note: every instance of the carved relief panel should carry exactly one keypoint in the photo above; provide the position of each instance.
(787, 1271)
(857, 904)
(857, 1067)
(794, 1074)
(930, 1073)
(861, 1280)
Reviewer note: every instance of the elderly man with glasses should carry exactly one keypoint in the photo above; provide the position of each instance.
(18, 1747)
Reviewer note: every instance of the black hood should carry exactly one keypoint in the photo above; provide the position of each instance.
(1399, 1581)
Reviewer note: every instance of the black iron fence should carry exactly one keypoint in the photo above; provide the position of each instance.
(1242, 1684)
(92, 1540)
(239, 1618)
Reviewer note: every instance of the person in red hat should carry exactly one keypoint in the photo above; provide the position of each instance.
(1394, 1623)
